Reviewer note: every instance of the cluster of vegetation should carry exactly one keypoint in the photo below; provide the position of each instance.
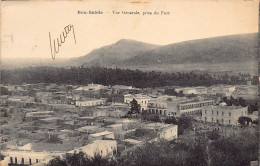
(151, 117)
(108, 76)
(252, 104)
(244, 120)
(236, 102)
(81, 159)
(172, 92)
(203, 150)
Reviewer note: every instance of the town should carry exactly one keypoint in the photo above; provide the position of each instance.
(44, 121)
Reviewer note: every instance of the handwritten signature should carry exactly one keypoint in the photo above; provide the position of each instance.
(55, 46)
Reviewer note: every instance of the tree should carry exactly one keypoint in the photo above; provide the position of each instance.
(184, 123)
(213, 135)
(170, 92)
(255, 121)
(153, 117)
(77, 159)
(171, 120)
(242, 102)
(197, 155)
(180, 93)
(4, 91)
(135, 107)
(244, 120)
(57, 162)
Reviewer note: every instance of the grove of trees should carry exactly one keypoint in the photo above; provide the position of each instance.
(108, 76)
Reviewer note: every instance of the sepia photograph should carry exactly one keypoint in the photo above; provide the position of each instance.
(129, 83)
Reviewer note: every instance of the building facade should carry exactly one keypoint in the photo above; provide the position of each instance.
(169, 133)
(141, 99)
(177, 107)
(227, 115)
(193, 107)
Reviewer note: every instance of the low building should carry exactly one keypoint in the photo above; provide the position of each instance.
(117, 89)
(90, 102)
(90, 87)
(223, 114)
(33, 153)
(102, 136)
(165, 131)
(104, 148)
(117, 113)
(187, 90)
(169, 133)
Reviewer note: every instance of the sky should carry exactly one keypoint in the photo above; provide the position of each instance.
(25, 25)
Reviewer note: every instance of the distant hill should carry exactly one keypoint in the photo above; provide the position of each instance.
(114, 53)
(235, 48)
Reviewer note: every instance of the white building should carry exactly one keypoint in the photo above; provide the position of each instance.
(103, 148)
(102, 135)
(192, 107)
(223, 114)
(30, 155)
(141, 99)
(169, 133)
(26, 157)
(90, 87)
(176, 106)
(165, 131)
(187, 90)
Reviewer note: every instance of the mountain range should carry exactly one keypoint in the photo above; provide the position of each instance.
(201, 54)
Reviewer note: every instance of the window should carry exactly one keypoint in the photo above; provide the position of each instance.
(11, 160)
(22, 162)
(15, 160)
(228, 121)
(30, 161)
(229, 113)
(37, 160)
(212, 112)
(222, 113)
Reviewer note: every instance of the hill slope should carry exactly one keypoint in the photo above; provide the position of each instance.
(235, 48)
(114, 53)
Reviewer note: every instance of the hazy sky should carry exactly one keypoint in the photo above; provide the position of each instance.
(26, 25)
